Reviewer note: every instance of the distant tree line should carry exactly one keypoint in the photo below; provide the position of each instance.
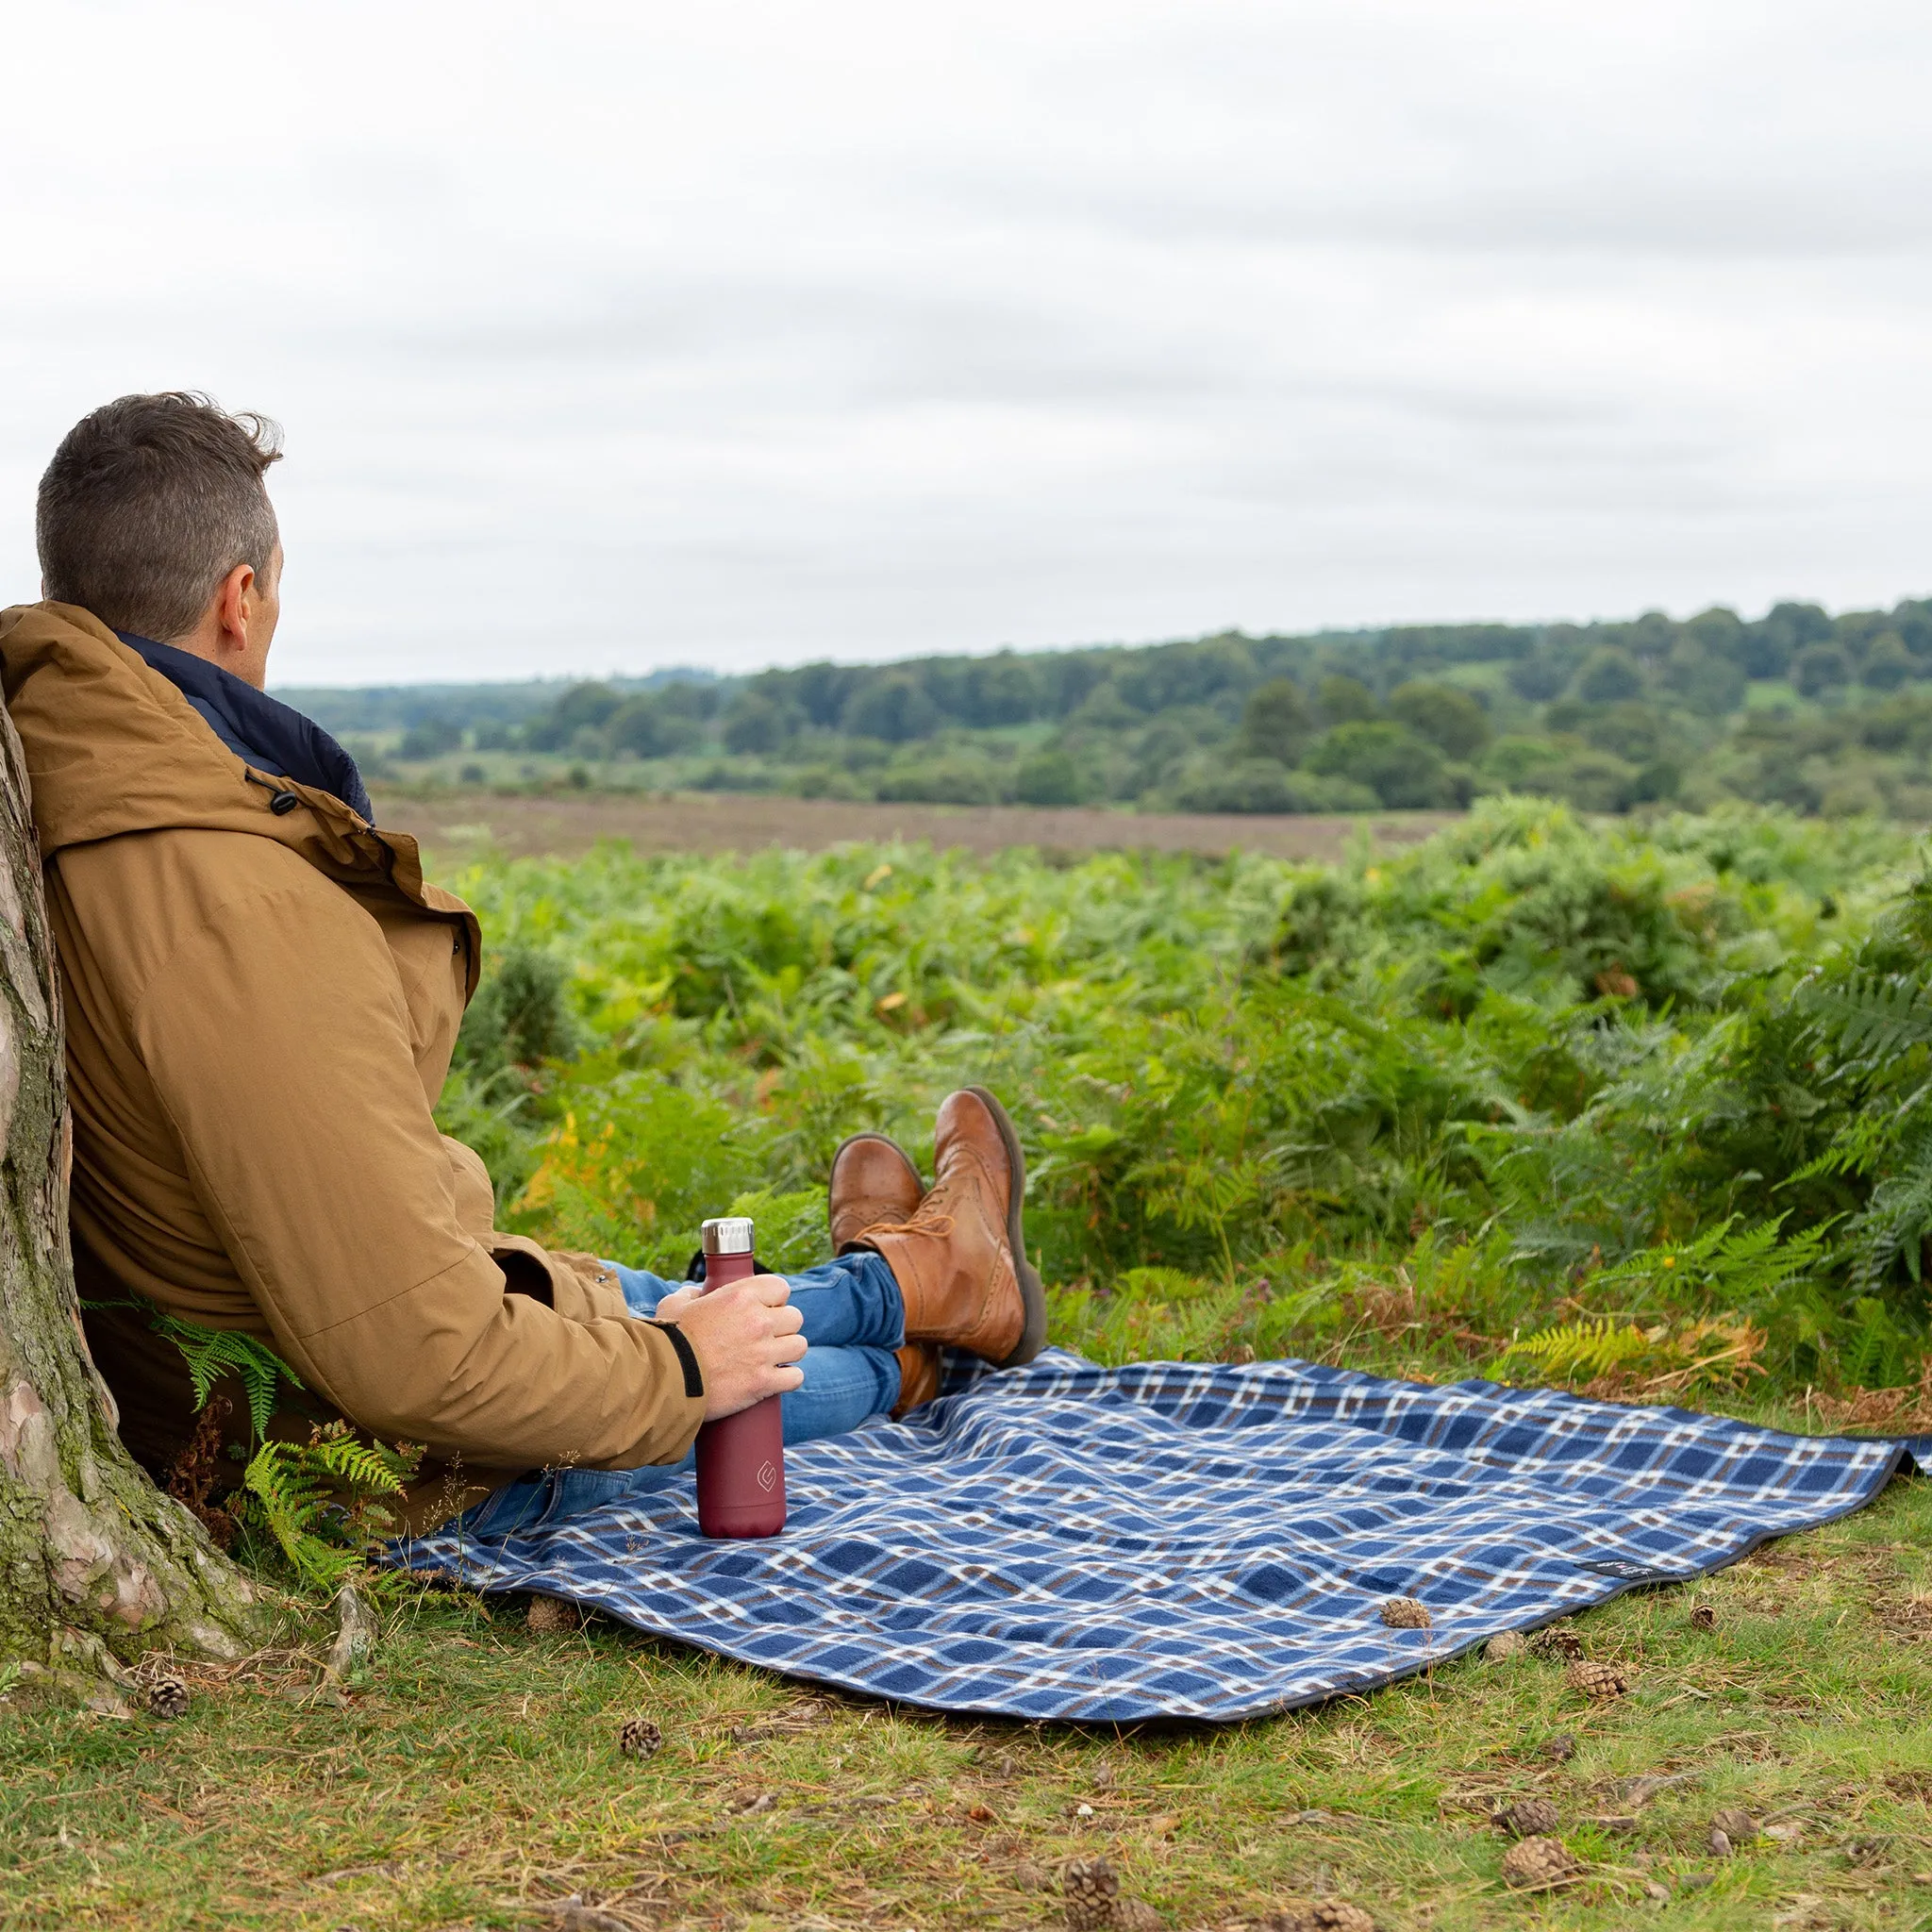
(1611, 714)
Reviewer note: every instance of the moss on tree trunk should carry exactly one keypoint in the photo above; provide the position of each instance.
(92, 1553)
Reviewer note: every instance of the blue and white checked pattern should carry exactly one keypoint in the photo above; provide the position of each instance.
(1185, 1539)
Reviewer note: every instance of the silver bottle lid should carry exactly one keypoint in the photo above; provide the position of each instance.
(727, 1234)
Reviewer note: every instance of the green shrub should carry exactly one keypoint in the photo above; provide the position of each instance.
(1402, 770)
(1449, 719)
(1608, 677)
(1275, 723)
(1528, 1074)
(1048, 777)
(521, 1015)
(1263, 785)
(941, 781)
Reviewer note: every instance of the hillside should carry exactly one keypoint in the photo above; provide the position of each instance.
(1797, 707)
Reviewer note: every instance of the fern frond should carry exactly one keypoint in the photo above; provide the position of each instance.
(1579, 1350)
(1874, 1354)
(1198, 1193)
(1874, 1016)
(1896, 1220)
(1856, 1147)
(292, 1504)
(1719, 1350)
(1743, 1270)
(211, 1353)
(317, 1498)
(368, 1467)
(1156, 1284)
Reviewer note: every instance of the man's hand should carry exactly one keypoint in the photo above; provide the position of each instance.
(745, 1337)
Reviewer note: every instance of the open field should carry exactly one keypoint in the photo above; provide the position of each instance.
(563, 824)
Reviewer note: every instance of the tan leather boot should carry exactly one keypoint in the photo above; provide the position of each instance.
(919, 1375)
(873, 1180)
(961, 1259)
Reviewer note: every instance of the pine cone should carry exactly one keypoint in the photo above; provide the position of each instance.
(1333, 1915)
(1597, 1680)
(1703, 1617)
(1527, 1818)
(1737, 1824)
(1092, 1894)
(1558, 1749)
(640, 1737)
(167, 1697)
(1503, 1645)
(550, 1616)
(1405, 1613)
(1326, 1915)
(1557, 1641)
(1540, 1862)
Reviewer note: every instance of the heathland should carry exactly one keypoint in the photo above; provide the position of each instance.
(1640, 1107)
(1442, 1101)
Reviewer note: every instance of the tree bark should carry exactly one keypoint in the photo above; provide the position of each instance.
(95, 1562)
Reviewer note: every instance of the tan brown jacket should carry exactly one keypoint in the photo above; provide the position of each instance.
(260, 1011)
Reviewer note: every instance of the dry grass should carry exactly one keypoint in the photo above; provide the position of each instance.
(563, 824)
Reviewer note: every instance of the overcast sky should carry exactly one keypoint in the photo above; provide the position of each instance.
(615, 336)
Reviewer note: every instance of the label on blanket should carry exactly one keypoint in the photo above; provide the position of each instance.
(1628, 1573)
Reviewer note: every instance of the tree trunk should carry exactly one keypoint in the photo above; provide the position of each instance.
(94, 1557)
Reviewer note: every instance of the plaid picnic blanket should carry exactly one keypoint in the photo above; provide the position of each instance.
(1186, 1540)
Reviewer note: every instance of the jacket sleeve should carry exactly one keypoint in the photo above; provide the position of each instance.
(579, 1286)
(277, 1038)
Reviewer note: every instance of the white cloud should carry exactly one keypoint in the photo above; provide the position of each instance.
(627, 334)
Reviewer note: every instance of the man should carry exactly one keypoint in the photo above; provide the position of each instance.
(262, 993)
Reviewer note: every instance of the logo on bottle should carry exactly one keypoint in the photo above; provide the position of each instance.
(768, 1475)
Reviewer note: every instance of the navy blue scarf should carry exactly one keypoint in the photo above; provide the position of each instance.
(272, 737)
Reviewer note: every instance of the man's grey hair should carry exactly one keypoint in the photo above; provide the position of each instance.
(148, 505)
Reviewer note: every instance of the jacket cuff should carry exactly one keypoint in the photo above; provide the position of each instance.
(687, 1357)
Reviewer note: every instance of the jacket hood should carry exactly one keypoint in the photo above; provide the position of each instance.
(113, 747)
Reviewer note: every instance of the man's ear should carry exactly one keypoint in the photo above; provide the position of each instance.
(233, 604)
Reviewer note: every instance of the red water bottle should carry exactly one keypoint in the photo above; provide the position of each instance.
(741, 1456)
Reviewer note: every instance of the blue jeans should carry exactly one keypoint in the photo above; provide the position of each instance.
(854, 1319)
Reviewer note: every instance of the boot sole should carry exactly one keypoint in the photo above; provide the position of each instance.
(852, 1141)
(1032, 1291)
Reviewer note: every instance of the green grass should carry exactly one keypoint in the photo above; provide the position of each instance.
(476, 1779)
